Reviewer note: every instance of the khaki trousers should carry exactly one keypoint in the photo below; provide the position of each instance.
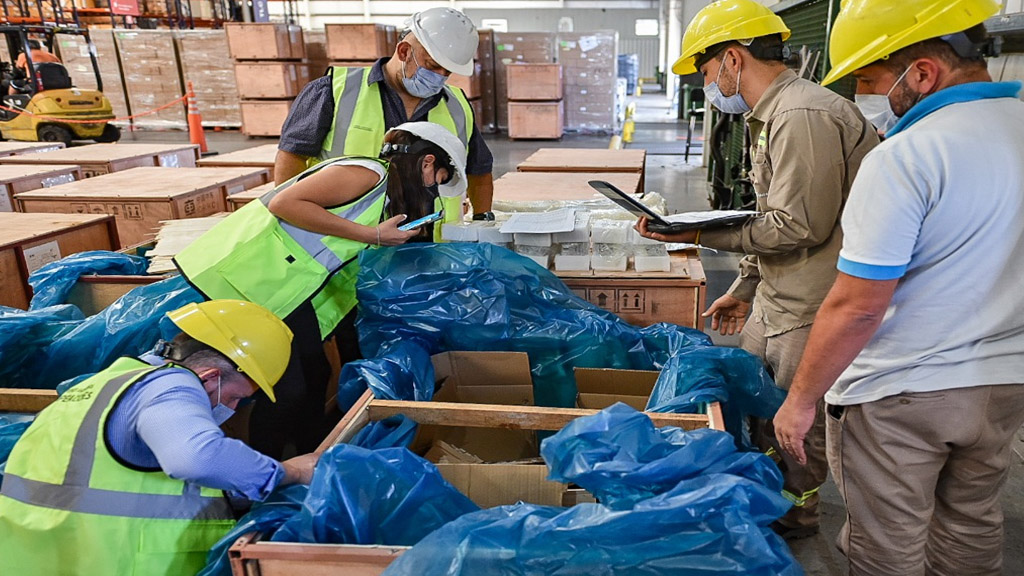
(781, 356)
(921, 475)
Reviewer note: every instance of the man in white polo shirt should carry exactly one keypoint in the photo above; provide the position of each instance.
(920, 342)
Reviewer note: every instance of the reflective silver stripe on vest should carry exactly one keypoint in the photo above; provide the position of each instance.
(76, 496)
(458, 116)
(346, 109)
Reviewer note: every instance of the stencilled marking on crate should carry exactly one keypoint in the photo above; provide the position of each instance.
(632, 300)
(205, 203)
(133, 211)
(79, 208)
(602, 298)
(37, 256)
(93, 171)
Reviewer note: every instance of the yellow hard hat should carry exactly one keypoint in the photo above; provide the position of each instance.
(725, 21)
(866, 31)
(253, 338)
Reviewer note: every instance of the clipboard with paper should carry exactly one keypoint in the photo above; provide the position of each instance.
(677, 222)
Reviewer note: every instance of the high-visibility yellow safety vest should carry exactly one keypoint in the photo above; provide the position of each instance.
(255, 256)
(69, 506)
(359, 129)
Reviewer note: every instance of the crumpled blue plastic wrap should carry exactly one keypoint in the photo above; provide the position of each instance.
(418, 300)
(24, 335)
(52, 282)
(702, 518)
(265, 517)
(359, 496)
(12, 426)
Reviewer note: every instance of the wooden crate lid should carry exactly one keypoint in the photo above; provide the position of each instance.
(251, 194)
(539, 186)
(16, 227)
(11, 148)
(97, 153)
(145, 183)
(585, 159)
(257, 156)
(10, 172)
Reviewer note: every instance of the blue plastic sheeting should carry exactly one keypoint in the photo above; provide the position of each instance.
(265, 517)
(702, 517)
(361, 496)
(418, 300)
(52, 283)
(24, 335)
(12, 426)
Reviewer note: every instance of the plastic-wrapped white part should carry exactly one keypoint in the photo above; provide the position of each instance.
(461, 231)
(572, 262)
(610, 232)
(611, 250)
(522, 239)
(574, 248)
(542, 261)
(609, 263)
(599, 204)
(579, 233)
(658, 249)
(489, 232)
(644, 263)
(527, 250)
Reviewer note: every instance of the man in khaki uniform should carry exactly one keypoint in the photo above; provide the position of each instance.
(807, 143)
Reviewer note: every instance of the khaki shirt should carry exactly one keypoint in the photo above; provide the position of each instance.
(807, 144)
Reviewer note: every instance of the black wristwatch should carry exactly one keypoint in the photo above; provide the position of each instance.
(485, 216)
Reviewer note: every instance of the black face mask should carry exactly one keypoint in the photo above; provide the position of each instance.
(433, 190)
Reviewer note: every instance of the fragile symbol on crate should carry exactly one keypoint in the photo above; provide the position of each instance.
(133, 211)
(631, 301)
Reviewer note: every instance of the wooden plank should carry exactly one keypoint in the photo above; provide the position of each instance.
(25, 399)
(715, 419)
(354, 420)
(250, 557)
(584, 160)
(541, 186)
(510, 417)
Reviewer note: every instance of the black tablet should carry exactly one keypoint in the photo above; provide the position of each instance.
(656, 222)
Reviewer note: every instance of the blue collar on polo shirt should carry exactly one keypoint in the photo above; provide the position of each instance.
(954, 95)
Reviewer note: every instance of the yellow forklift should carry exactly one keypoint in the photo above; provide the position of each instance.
(46, 91)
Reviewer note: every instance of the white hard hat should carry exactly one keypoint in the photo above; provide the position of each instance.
(456, 150)
(448, 36)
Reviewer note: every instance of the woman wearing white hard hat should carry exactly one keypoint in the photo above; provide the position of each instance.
(348, 110)
(293, 251)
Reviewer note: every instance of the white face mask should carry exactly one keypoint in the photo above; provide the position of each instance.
(734, 104)
(878, 109)
(221, 413)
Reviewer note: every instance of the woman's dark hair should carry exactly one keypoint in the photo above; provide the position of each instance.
(406, 192)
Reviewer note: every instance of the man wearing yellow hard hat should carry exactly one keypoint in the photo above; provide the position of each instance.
(918, 348)
(125, 473)
(807, 143)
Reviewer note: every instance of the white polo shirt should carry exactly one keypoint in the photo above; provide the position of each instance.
(941, 207)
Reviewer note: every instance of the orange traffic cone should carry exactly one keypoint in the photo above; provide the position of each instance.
(195, 122)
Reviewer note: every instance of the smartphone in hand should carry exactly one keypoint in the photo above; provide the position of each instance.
(428, 219)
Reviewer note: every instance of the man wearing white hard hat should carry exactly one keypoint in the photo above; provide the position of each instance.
(348, 110)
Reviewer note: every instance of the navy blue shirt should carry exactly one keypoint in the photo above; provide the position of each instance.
(312, 116)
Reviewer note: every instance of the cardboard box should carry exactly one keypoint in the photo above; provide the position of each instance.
(28, 241)
(357, 41)
(15, 178)
(206, 63)
(264, 117)
(98, 159)
(599, 388)
(141, 198)
(590, 70)
(270, 79)
(534, 82)
(151, 80)
(264, 41)
(535, 120)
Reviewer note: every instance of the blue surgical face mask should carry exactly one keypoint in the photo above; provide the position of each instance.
(424, 83)
(878, 109)
(734, 104)
(221, 413)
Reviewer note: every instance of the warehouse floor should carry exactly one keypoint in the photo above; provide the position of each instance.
(684, 186)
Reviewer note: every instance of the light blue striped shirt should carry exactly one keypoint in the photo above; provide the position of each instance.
(165, 421)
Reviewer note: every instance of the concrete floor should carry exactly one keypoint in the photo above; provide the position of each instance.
(684, 186)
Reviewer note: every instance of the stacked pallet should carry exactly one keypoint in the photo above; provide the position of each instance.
(535, 108)
(479, 87)
(354, 45)
(73, 52)
(151, 78)
(270, 70)
(589, 60)
(517, 48)
(205, 63)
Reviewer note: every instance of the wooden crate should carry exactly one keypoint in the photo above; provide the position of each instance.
(262, 156)
(17, 178)
(469, 84)
(236, 201)
(27, 241)
(264, 117)
(97, 159)
(529, 82)
(264, 41)
(250, 556)
(14, 148)
(535, 120)
(555, 186)
(586, 160)
(140, 199)
(677, 296)
(25, 400)
(270, 79)
(357, 41)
